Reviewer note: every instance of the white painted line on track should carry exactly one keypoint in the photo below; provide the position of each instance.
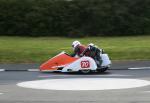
(139, 68)
(1, 70)
(33, 70)
(1, 93)
(77, 84)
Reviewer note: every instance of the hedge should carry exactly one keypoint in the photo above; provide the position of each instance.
(74, 18)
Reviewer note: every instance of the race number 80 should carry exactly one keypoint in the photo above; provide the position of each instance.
(85, 64)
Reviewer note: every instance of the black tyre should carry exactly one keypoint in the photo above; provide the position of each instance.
(101, 70)
(86, 71)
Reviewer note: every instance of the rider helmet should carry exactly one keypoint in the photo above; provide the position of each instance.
(90, 45)
(75, 43)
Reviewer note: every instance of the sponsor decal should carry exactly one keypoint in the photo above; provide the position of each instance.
(85, 64)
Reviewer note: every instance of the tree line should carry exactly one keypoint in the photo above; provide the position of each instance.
(74, 18)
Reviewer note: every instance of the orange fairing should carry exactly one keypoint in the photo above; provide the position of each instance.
(57, 61)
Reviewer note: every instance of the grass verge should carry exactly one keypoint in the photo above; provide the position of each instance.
(37, 50)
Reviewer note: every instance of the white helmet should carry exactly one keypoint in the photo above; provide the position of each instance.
(91, 44)
(75, 43)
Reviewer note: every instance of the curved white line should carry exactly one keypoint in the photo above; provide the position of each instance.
(84, 84)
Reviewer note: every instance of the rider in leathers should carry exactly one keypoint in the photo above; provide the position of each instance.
(78, 49)
(93, 52)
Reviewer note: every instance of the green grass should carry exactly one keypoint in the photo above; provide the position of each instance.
(37, 50)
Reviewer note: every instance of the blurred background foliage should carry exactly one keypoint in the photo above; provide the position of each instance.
(74, 18)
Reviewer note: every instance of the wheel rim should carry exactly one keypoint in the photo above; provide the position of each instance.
(85, 71)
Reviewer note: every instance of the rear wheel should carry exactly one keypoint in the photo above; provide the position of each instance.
(86, 71)
(101, 70)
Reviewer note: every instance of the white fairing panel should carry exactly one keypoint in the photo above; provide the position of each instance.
(80, 64)
(105, 59)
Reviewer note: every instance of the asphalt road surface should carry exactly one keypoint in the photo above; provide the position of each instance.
(10, 92)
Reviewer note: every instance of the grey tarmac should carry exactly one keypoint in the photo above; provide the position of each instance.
(11, 93)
